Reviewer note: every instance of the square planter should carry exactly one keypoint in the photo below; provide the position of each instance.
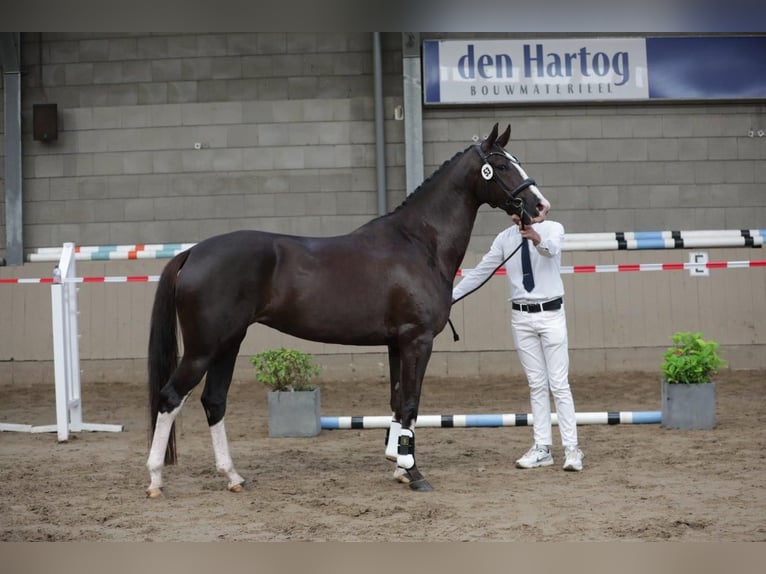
(294, 413)
(688, 407)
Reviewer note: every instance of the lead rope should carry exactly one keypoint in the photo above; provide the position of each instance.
(455, 336)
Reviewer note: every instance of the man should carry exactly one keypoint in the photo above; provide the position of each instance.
(538, 325)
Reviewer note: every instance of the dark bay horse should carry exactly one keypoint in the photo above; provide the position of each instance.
(387, 283)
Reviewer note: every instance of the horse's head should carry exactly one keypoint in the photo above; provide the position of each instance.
(506, 184)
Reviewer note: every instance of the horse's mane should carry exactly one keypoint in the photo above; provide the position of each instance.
(425, 183)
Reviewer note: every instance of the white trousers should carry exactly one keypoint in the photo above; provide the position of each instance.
(543, 349)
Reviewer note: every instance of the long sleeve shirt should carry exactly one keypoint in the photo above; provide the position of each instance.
(545, 258)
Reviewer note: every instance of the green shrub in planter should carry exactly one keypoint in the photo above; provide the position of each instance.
(688, 392)
(294, 404)
(285, 369)
(691, 359)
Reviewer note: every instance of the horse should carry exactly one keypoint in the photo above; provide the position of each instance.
(387, 283)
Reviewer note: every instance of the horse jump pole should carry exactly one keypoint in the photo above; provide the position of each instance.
(600, 241)
(491, 420)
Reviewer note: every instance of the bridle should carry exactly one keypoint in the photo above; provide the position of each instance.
(512, 200)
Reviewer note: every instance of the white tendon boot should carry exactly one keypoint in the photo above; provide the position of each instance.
(392, 440)
(405, 458)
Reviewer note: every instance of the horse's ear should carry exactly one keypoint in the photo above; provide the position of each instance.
(502, 141)
(487, 144)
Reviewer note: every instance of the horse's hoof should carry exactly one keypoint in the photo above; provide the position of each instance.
(421, 485)
(405, 477)
(242, 486)
(154, 492)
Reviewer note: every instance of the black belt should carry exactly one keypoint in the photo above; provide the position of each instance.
(537, 307)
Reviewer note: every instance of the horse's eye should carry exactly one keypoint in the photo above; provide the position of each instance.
(502, 167)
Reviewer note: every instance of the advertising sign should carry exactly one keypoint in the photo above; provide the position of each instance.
(593, 69)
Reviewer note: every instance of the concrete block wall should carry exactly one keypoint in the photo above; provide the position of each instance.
(624, 167)
(284, 124)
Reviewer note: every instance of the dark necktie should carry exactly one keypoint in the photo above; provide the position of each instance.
(526, 266)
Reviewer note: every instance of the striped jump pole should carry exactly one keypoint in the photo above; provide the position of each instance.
(492, 420)
(633, 267)
(565, 270)
(633, 240)
(597, 241)
(113, 252)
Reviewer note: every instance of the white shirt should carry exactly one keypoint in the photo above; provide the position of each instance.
(545, 258)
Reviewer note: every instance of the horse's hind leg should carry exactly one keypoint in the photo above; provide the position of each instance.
(214, 402)
(155, 462)
(174, 395)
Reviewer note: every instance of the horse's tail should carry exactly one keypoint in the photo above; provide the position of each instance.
(163, 345)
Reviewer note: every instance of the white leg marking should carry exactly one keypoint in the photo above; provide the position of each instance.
(400, 474)
(223, 460)
(160, 439)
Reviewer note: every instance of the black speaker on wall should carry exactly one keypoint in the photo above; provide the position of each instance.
(45, 122)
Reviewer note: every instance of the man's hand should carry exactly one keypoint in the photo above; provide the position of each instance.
(527, 231)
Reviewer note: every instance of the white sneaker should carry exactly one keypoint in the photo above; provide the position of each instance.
(538, 455)
(573, 460)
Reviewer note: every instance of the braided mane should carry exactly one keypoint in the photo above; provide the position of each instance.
(434, 175)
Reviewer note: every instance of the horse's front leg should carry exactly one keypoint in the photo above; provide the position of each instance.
(393, 431)
(414, 360)
(407, 471)
(392, 437)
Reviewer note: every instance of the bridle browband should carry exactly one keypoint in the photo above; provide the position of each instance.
(512, 199)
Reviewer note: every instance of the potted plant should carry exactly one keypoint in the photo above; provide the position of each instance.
(688, 390)
(294, 403)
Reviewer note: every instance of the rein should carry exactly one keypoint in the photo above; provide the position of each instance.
(455, 336)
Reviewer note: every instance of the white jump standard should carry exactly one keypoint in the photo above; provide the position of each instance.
(66, 356)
